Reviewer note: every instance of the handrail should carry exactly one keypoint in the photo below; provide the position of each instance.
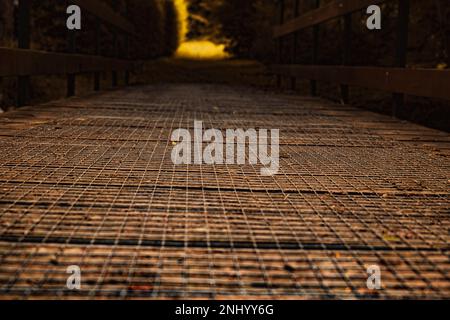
(323, 14)
(23, 62)
(399, 80)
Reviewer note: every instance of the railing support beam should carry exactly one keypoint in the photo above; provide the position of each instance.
(315, 52)
(346, 52)
(294, 47)
(280, 40)
(23, 82)
(98, 31)
(114, 79)
(401, 52)
(71, 78)
(127, 49)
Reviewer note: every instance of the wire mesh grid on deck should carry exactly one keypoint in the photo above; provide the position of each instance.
(95, 187)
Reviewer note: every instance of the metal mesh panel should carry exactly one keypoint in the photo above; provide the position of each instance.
(94, 186)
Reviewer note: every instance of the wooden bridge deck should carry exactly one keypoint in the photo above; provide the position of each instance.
(89, 182)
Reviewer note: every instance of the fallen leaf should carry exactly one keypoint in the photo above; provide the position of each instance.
(391, 238)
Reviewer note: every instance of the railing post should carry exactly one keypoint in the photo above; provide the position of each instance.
(114, 73)
(127, 57)
(315, 51)
(97, 52)
(127, 49)
(401, 52)
(23, 82)
(294, 49)
(280, 39)
(71, 48)
(115, 47)
(346, 52)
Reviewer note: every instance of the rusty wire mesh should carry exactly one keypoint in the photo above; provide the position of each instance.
(93, 185)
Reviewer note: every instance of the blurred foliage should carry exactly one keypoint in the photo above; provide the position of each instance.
(156, 23)
(245, 26)
(248, 25)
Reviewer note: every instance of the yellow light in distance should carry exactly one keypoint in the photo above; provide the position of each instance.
(201, 50)
(195, 49)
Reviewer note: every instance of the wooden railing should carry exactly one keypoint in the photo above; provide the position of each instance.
(23, 62)
(398, 79)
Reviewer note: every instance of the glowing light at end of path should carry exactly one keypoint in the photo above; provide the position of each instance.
(201, 50)
(195, 49)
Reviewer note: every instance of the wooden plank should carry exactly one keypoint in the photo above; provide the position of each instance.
(314, 17)
(418, 82)
(106, 13)
(19, 62)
